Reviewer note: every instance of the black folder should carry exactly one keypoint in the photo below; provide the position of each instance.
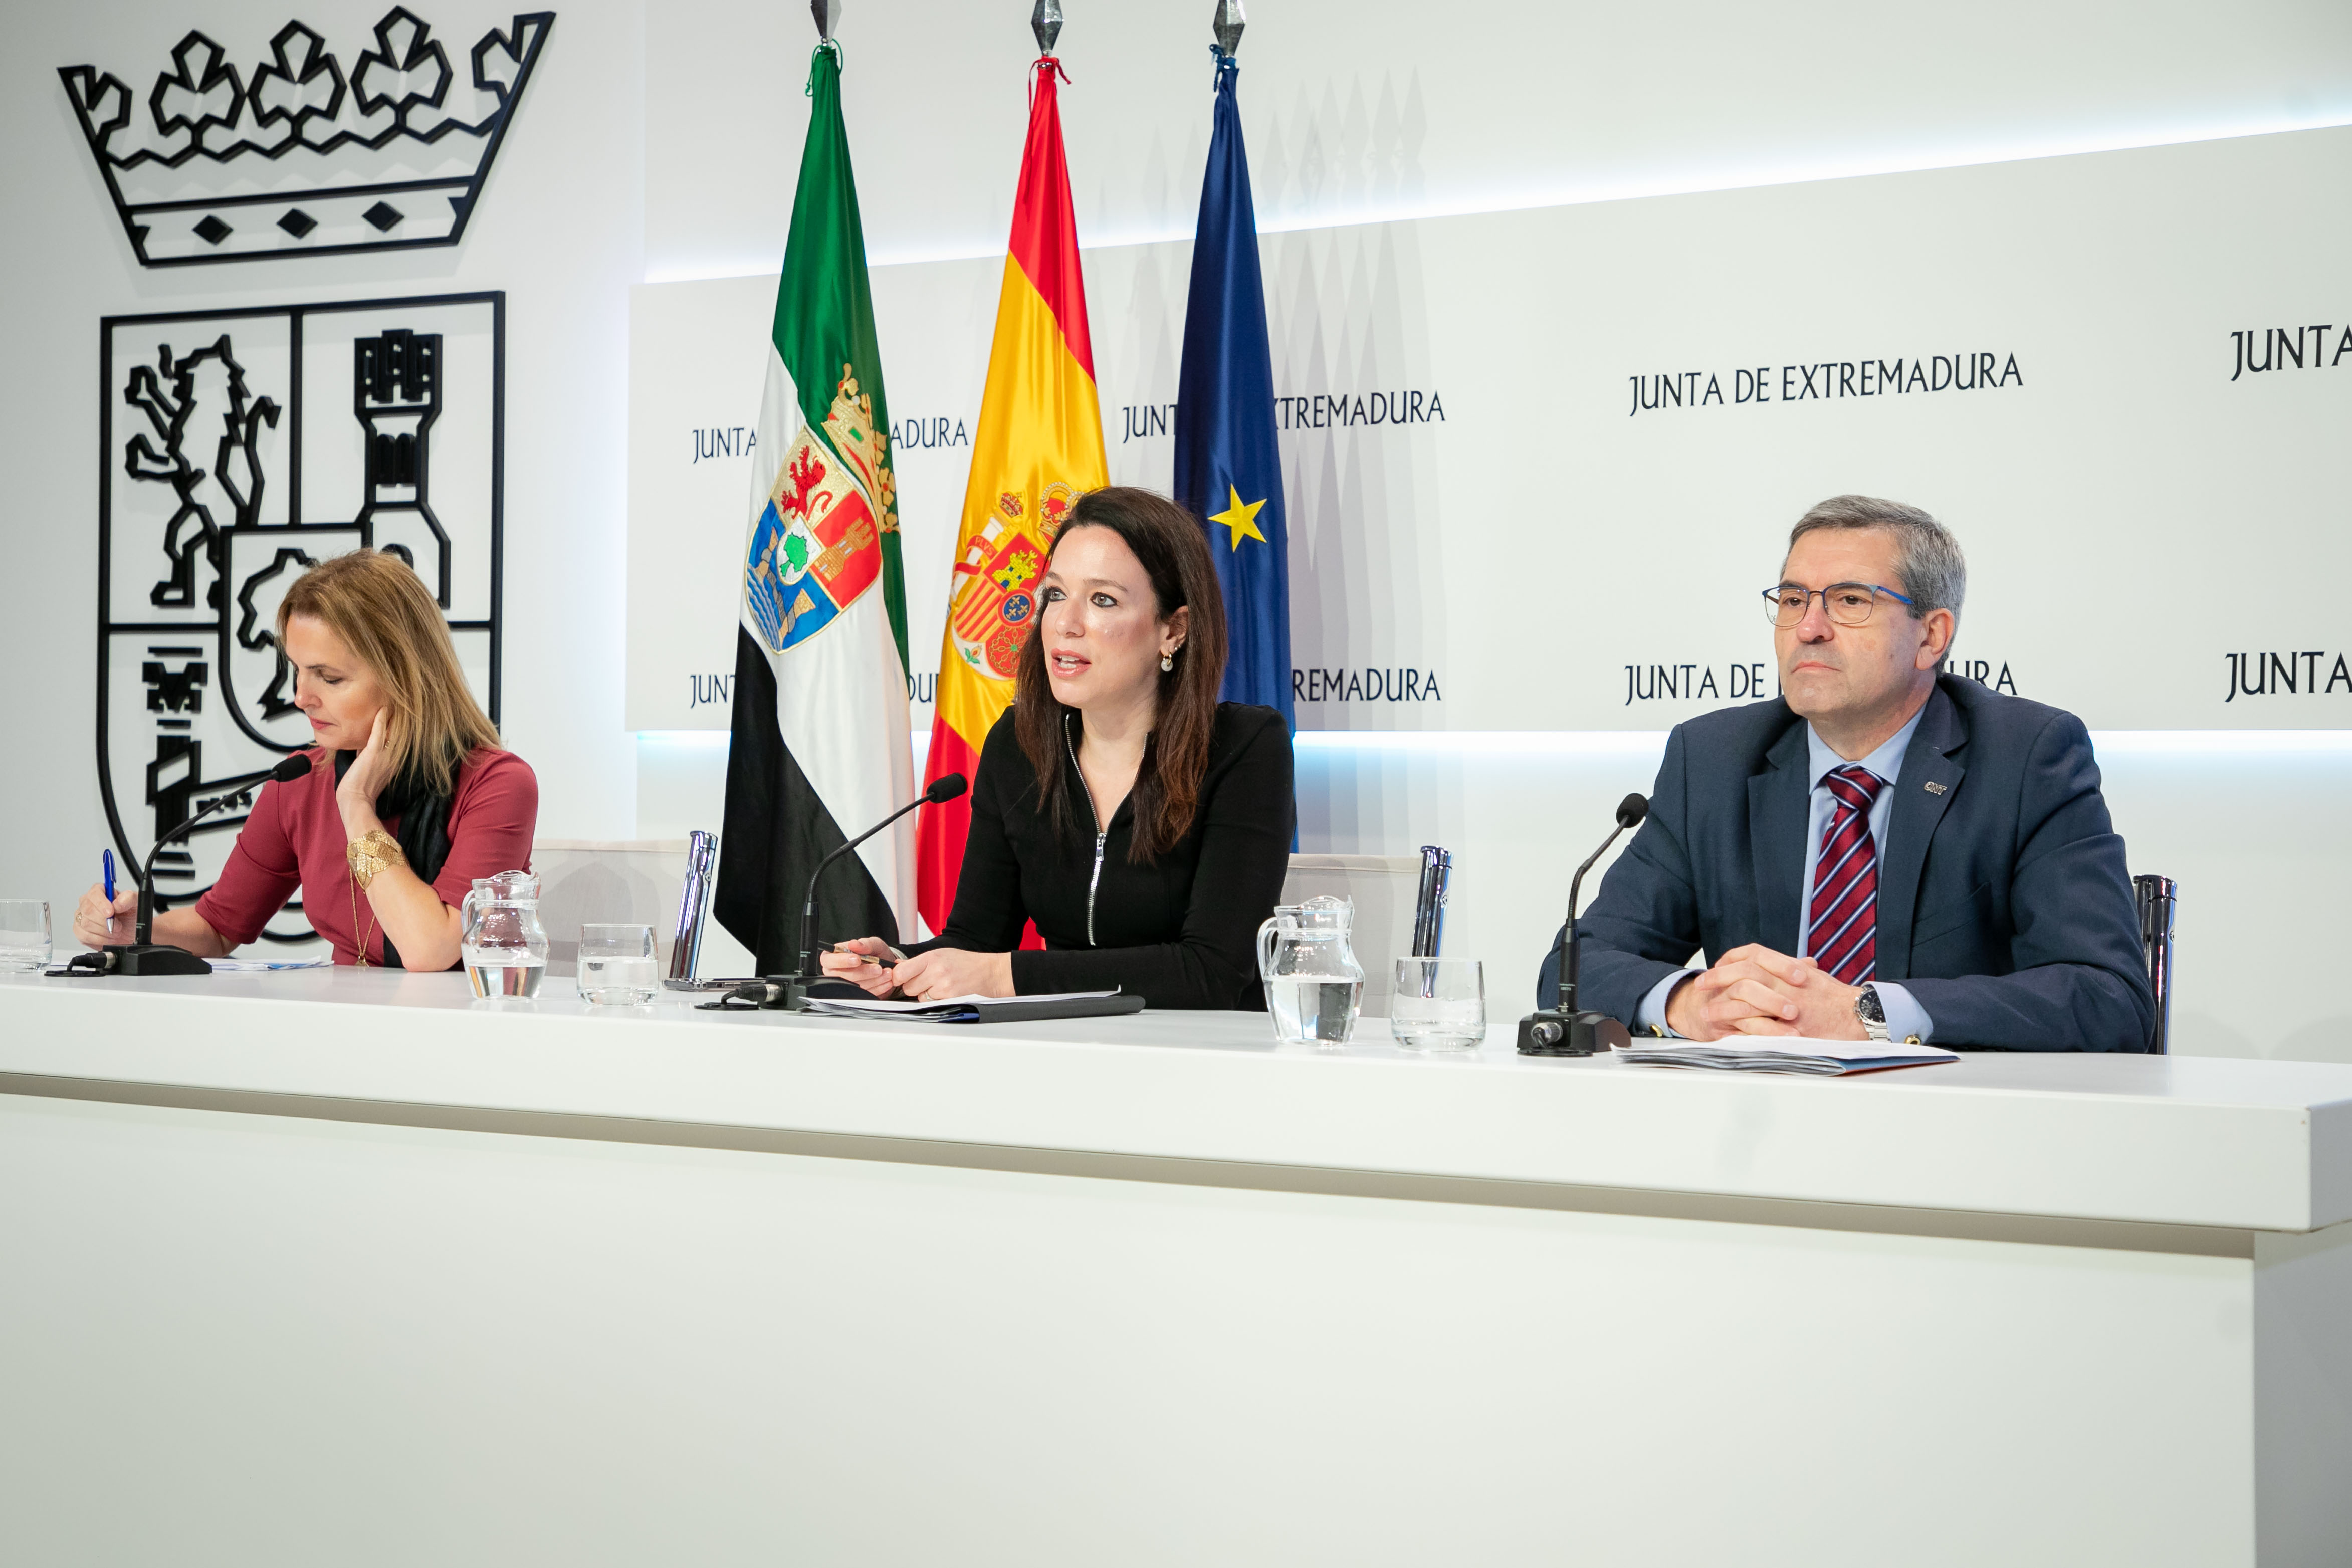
(981, 1010)
(1021, 1009)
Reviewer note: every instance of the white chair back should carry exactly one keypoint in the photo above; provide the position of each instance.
(1383, 888)
(582, 881)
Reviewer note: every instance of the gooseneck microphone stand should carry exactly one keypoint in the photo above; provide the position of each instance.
(1563, 1030)
(791, 993)
(145, 956)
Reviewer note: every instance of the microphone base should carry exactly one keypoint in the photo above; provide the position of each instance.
(1552, 1032)
(152, 958)
(792, 993)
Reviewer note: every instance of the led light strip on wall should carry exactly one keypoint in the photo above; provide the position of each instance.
(1842, 166)
(1633, 742)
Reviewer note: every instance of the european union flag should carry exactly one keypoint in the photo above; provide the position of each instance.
(1228, 470)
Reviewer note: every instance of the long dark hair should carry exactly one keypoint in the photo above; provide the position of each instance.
(1169, 541)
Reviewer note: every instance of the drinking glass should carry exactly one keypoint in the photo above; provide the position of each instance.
(23, 934)
(1440, 1004)
(617, 967)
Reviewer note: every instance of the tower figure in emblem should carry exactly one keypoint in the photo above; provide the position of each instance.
(397, 395)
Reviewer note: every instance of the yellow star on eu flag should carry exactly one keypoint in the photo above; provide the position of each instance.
(1240, 517)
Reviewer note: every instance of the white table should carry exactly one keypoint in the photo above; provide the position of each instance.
(346, 1267)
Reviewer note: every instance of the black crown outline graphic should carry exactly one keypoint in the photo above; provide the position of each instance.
(329, 164)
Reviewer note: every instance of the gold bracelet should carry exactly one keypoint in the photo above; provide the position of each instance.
(371, 854)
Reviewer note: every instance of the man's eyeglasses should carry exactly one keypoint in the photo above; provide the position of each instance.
(1846, 603)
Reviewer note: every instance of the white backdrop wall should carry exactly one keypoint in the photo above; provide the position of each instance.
(1539, 464)
(1372, 108)
(659, 144)
(559, 229)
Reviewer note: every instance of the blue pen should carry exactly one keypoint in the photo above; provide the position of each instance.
(106, 859)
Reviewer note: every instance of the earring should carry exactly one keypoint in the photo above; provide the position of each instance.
(1167, 662)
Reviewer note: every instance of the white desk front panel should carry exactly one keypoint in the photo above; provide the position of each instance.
(247, 1338)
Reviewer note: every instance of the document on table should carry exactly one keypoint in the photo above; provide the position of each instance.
(981, 1009)
(1785, 1053)
(249, 965)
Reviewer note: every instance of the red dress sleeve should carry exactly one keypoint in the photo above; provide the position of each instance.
(490, 823)
(262, 872)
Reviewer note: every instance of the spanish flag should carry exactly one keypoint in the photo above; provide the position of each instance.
(1038, 448)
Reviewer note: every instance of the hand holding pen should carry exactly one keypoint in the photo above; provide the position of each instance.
(107, 913)
(865, 962)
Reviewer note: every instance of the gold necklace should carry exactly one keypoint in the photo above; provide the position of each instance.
(369, 934)
(369, 856)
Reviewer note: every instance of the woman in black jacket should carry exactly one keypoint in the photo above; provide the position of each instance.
(1142, 824)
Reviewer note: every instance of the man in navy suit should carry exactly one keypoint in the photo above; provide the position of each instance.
(1882, 851)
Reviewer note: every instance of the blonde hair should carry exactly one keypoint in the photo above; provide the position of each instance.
(386, 617)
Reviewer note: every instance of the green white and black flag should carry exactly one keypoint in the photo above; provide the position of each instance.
(821, 743)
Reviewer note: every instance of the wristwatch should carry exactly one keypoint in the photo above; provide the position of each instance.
(1871, 1012)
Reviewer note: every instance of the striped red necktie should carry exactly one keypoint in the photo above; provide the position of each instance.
(1842, 927)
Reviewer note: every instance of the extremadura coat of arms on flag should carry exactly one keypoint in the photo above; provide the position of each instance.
(818, 546)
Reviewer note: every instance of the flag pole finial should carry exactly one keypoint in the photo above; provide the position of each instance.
(1228, 25)
(828, 17)
(1045, 21)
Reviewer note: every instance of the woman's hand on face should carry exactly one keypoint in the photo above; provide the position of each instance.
(867, 963)
(946, 972)
(97, 923)
(368, 774)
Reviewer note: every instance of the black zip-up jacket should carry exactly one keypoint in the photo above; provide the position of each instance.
(1180, 932)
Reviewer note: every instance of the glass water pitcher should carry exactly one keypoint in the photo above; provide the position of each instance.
(1314, 987)
(504, 944)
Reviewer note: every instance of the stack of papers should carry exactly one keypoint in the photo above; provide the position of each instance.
(1786, 1053)
(974, 1009)
(245, 966)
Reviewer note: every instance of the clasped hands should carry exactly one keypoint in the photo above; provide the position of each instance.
(1754, 990)
(881, 970)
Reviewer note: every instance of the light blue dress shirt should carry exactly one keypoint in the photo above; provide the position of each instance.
(1904, 1015)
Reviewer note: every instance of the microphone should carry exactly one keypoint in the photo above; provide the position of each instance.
(790, 993)
(1562, 1031)
(143, 954)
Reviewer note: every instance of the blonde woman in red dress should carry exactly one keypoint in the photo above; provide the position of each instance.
(408, 800)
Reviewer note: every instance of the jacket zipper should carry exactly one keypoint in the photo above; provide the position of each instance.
(1101, 834)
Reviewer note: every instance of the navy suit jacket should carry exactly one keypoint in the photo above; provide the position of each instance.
(2003, 901)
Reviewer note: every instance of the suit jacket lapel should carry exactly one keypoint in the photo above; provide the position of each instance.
(1776, 838)
(1930, 779)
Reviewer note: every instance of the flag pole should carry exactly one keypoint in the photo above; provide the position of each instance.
(1045, 25)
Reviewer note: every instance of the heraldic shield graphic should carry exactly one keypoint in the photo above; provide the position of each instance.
(238, 449)
(817, 544)
(993, 600)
